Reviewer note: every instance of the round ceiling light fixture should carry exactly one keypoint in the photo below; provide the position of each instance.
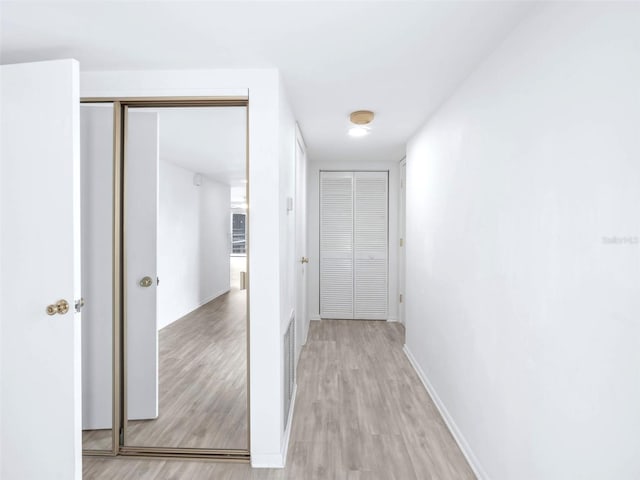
(360, 119)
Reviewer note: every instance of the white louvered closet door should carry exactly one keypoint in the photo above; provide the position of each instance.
(353, 245)
(371, 233)
(336, 245)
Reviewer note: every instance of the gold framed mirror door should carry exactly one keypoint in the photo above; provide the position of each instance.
(100, 146)
(180, 363)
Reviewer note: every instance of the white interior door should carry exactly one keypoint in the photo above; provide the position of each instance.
(371, 239)
(336, 244)
(40, 434)
(302, 316)
(141, 234)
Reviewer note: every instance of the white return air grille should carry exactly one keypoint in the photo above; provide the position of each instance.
(354, 237)
(289, 349)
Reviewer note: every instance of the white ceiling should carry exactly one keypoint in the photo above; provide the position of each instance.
(401, 59)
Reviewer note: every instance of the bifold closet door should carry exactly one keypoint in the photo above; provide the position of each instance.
(370, 245)
(336, 244)
(353, 245)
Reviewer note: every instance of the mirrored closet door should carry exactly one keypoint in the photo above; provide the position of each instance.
(184, 259)
(97, 222)
(164, 255)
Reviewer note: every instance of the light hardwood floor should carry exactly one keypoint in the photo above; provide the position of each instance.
(361, 413)
(202, 391)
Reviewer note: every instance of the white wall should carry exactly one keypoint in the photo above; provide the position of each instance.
(193, 242)
(522, 318)
(264, 200)
(313, 224)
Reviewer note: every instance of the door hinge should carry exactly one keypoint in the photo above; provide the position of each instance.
(400, 298)
(402, 242)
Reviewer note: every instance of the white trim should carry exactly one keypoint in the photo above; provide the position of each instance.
(472, 460)
(300, 139)
(143, 92)
(306, 338)
(203, 302)
(285, 325)
(213, 297)
(314, 318)
(392, 319)
(401, 263)
(267, 460)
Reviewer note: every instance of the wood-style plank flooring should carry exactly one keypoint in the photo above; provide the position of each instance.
(361, 413)
(203, 382)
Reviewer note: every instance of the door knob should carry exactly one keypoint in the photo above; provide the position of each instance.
(61, 307)
(146, 282)
(304, 260)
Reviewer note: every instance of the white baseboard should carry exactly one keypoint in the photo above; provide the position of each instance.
(314, 318)
(306, 337)
(273, 460)
(212, 297)
(201, 303)
(472, 460)
(392, 319)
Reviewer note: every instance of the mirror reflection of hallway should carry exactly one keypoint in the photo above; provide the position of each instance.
(185, 179)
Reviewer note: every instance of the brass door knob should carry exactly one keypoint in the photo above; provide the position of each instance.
(304, 260)
(146, 282)
(61, 307)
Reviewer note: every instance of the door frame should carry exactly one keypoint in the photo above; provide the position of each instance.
(301, 227)
(402, 240)
(119, 413)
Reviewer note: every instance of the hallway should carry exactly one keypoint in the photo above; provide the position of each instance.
(361, 413)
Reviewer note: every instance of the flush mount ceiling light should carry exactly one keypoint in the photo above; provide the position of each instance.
(358, 131)
(360, 119)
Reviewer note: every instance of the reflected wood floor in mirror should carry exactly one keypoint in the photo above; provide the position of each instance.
(361, 413)
(203, 382)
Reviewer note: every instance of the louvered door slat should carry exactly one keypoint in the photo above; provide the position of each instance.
(371, 234)
(336, 245)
